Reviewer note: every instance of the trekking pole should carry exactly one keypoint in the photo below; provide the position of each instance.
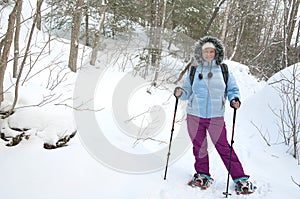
(231, 148)
(172, 130)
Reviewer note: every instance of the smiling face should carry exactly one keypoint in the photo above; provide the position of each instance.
(208, 54)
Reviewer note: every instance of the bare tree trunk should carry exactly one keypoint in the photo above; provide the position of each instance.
(16, 39)
(295, 112)
(285, 34)
(50, 29)
(34, 23)
(293, 10)
(75, 35)
(297, 38)
(160, 30)
(237, 41)
(5, 45)
(87, 36)
(213, 16)
(98, 34)
(152, 37)
(38, 16)
(224, 27)
(173, 25)
(271, 25)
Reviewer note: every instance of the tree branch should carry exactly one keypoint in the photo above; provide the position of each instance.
(298, 184)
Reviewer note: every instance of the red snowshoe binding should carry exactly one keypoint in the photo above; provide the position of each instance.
(244, 187)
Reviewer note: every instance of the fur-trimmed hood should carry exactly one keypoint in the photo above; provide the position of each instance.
(219, 49)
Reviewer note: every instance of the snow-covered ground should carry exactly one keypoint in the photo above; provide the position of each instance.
(112, 155)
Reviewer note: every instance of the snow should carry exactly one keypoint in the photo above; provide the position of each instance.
(105, 159)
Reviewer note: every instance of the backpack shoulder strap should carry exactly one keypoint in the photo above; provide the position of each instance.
(192, 74)
(224, 69)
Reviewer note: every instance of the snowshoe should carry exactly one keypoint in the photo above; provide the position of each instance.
(201, 180)
(244, 187)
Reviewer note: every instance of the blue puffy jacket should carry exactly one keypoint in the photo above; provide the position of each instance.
(207, 96)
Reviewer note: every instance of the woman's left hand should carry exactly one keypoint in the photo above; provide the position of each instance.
(235, 103)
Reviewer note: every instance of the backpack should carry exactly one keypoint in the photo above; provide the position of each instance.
(224, 69)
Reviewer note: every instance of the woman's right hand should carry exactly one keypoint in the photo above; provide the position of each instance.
(177, 91)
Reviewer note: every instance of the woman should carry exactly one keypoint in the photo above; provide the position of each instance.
(206, 97)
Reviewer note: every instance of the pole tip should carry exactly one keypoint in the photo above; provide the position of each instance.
(226, 194)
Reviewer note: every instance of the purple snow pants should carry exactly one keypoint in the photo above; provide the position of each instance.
(197, 128)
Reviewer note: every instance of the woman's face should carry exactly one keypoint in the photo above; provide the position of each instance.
(208, 54)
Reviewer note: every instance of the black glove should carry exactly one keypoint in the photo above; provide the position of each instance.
(236, 99)
(175, 90)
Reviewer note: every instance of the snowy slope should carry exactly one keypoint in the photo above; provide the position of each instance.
(72, 172)
(130, 168)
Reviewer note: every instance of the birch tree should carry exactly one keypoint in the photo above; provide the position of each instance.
(292, 19)
(298, 35)
(16, 39)
(98, 33)
(286, 10)
(75, 32)
(225, 22)
(5, 45)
